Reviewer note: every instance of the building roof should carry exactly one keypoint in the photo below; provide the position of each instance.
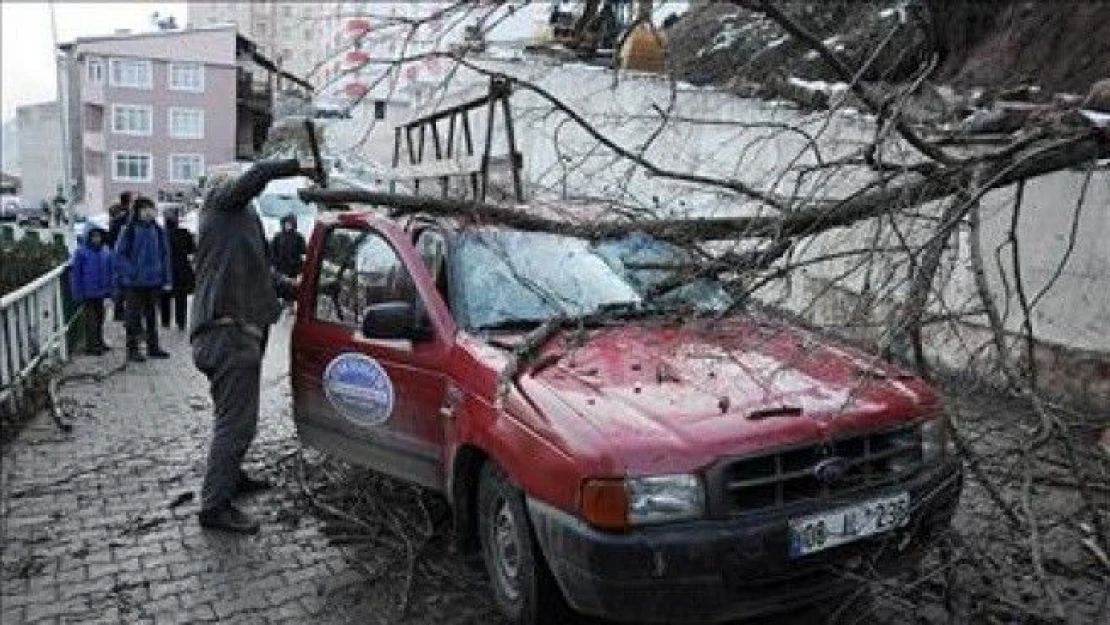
(120, 36)
(243, 45)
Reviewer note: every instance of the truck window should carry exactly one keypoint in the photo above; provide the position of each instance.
(432, 247)
(358, 268)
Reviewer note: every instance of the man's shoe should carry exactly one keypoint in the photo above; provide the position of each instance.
(250, 485)
(228, 519)
(135, 355)
(158, 353)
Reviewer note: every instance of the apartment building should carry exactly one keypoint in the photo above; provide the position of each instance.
(312, 39)
(149, 111)
(40, 149)
(290, 33)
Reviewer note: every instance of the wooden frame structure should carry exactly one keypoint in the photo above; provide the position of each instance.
(445, 162)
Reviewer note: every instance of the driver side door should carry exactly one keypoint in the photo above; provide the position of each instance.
(370, 401)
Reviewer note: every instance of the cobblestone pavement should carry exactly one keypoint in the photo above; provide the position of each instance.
(99, 524)
(91, 532)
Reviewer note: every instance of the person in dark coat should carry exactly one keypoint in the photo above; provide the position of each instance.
(118, 214)
(236, 301)
(144, 270)
(92, 280)
(182, 249)
(287, 248)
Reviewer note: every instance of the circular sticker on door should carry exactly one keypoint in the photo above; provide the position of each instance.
(359, 388)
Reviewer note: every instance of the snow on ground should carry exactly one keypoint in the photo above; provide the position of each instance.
(818, 85)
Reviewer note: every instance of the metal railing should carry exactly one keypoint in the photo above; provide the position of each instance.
(33, 329)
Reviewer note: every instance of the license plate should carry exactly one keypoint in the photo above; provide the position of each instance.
(818, 532)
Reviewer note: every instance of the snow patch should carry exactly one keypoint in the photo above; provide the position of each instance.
(899, 10)
(818, 85)
(777, 42)
(1097, 118)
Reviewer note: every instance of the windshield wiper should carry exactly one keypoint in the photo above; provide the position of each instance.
(510, 324)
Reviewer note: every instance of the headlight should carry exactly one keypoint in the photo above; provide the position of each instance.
(620, 504)
(664, 498)
(934, 440)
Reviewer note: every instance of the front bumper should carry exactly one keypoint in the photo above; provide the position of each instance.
(721, 570)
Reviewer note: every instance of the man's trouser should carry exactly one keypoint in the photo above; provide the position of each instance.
(94, 324)
(232, 360)
(179, 300)
(141, 302)
(118, 312)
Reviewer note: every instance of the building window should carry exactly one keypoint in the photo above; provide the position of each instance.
(131, 167)
(132, 73)
(131, 119)
(379, 109)
(96, 71)
(186, 167)
(308, 34)
(186, 123)
(186, 77)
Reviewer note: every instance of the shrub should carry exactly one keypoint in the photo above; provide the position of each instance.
(26, 259)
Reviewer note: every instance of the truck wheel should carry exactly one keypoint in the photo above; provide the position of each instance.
(522, 583)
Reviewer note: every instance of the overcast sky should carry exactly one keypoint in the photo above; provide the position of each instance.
(26, 61)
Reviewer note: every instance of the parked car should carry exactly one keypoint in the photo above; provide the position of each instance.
(279, 199)
(9, 207)
(24, 211)
(602, 442)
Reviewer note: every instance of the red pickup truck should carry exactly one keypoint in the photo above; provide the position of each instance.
(606, 436)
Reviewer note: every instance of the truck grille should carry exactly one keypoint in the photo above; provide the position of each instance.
(789, 476)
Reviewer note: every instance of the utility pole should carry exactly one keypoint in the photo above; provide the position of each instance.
(63, 104)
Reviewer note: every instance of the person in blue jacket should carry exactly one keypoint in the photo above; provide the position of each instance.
(144, 270)
(92, 280)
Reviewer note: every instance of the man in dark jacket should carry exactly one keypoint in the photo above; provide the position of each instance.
(182, 249)
(236, 301)
(118, 214)
(143, 265)
(92, 280)
(287, 249)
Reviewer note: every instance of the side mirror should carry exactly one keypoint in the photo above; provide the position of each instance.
(394, 320)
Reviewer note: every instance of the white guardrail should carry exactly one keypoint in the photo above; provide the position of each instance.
(32, 331)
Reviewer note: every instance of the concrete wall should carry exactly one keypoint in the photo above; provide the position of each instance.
(745, 140)
(40, 149)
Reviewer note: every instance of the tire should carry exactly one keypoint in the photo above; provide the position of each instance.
(522, 584)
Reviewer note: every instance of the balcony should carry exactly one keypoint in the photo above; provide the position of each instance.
(92, 92)
(356, 27)
(93, 140)
(354, 59)
(253, 96)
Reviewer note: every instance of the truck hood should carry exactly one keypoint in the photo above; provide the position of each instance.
(647, 397)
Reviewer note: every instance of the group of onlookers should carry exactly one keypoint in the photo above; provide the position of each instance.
(145, 268)
(138, 264)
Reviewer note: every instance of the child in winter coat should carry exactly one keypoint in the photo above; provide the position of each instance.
(145, 271)
(92, 280)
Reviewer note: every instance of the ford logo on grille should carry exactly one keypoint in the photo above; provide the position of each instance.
(830, 470)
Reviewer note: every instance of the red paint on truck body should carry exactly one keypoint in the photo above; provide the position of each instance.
(636, 398)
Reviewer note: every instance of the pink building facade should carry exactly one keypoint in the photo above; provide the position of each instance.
(149, 112)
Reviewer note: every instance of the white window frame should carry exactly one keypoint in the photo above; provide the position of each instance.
(199, 67)
(169, 122)
(172, 173)
(148, 84)
(149, 170)
(135, 133)
(94, 77)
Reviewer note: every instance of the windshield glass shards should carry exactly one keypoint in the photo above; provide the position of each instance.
(512, 279)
